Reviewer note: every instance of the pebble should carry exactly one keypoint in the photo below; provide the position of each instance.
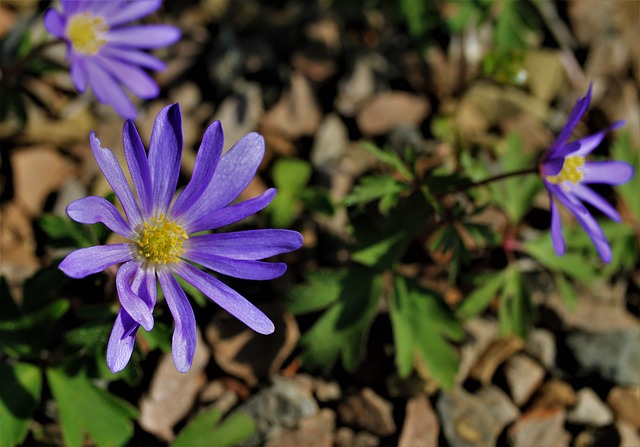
(524, 376)
(540, 427)
(369, 411)
(590, 410)
(541, 344)
(625, 403)
(421, 427)
(316, 430)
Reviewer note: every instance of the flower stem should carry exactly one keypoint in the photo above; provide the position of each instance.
(495, 178)
(8, 73)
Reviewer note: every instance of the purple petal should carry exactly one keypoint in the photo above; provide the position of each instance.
(135, 306)
(143, 36)
(579, 109)
(79, 73)
(138, 167)
(590, 196)
(121, 341)
(607, 172)
(87, 261)
(230, 214)
(54, 22)
(134, 57)
(589, 143)
(91, 210)
(165, 152)
(554, 164)
(205, 165)
(133, 11)
(132, 77)
(227, 298)
(184, 335)
(256, 270)
(556, 228)
(249, 245)
(73, 6)
(114, 175)
(108, 91)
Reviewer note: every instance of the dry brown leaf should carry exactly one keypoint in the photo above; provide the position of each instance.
(386, 110)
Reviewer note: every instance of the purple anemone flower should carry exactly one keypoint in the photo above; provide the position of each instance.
(566, 175)
(165, 235)
(107, 55)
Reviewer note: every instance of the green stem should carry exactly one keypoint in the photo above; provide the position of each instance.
(17, 66)
(495, 178)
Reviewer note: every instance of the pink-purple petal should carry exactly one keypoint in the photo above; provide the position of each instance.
(588, 195)
(589, 143)
(165, 153)
(578, 111)
(78, 73)
(132, 11)
(143, 36)
(138, 165)
(227, 298)
(132, 77)
(556, 228)
(183, 346)
(87, 261)
(93, 209)
(607, 172)
(243, 269)
(133, 57)
(248, 245)
(121, 342)
(135, 306)
(108, 91)
(54, 22)
(206, 161)
(112, 171)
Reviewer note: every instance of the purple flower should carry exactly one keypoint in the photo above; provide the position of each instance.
(107, 55)
(566, 175)
(164, 235)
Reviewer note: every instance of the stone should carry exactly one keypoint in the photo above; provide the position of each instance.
(481, 333)
(524, 376)
(493, 356)
(541, 344)
(386, 110)
(629, 436)
(615, 355)
(540, 427)
(625, 403)
(330, 142)
(590, 410)
(327, 391)
(475, 419)
(421, 427)
(369, 411)
(555, 393)
(316, 430)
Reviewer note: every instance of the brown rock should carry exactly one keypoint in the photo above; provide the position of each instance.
(625, 403)
(387, 110)
(421, 427)
(316, 430)
(540, 427)
(496, 353)
(555, 393)
(590, 410)
(524, 376)
(629, 436)
(369, 411)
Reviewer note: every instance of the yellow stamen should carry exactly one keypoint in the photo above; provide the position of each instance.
(85, 33)
(160, 241)
(571, 171)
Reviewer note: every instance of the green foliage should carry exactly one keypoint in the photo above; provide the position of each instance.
(290, 176)
(423, 324)
(390, 159)
(384, 188)
(83, 408)
(65, 232)
(486, 289)
(20, 388)
(205, 429)
(622, 150)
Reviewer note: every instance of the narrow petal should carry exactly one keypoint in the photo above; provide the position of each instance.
(206, 161)
(607, 172)
(227, 298)
(590, 196)
(144, 36)
(108, 91)
(54, 22)
(243, 269)
(73, 6)
(78, 73)
(87, 261)
(132, 77)
(230, 214)
(578, 111)
(249, 245)
(588, 144)
(93, 209)
(112, 171)
(121, 341)
(133, 11)
(135, 306)
(138, 167)
(556, 162)
(556, 228)
(165, 153)
(184, 335)
(131, 56)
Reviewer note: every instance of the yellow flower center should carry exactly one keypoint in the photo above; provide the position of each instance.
(85, 33)
(161, 241)
(571, 171)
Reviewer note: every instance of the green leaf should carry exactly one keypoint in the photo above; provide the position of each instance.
(516, 309)
(232, 431)
(321, 289)
(375, 187)
(624, 151)
(389, 158)
(20, 388)
(43, 287)
(159, 337)
(316, 199)
(341, 331)
(485, 292)
(571, 264)
(84, 408)
(291, 174)
(199, 297)
(9, 307)
(566, 291)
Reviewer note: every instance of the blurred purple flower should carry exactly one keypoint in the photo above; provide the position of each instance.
(164, 236)
(107, 55)
(566, 175)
